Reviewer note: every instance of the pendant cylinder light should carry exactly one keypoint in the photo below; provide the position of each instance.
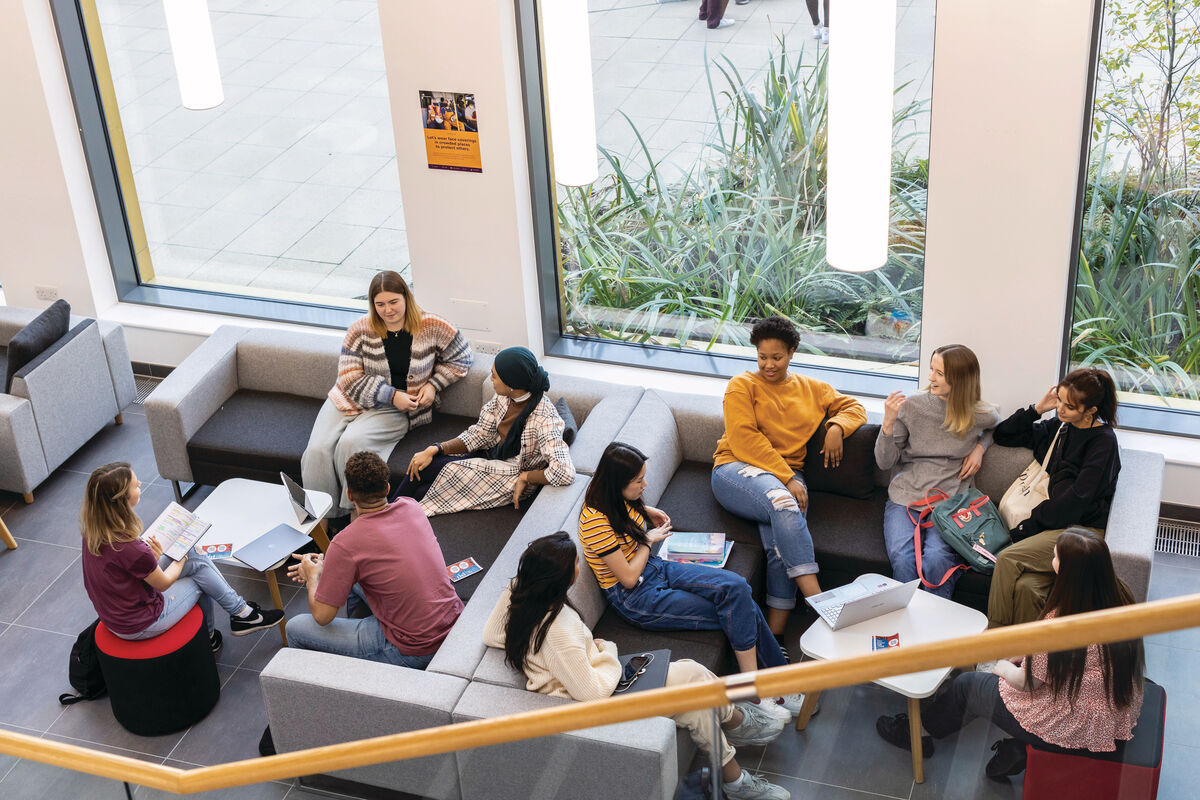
(568, 70)
(862, 56)
(190, 30)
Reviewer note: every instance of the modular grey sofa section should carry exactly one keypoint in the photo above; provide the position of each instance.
(61, 399)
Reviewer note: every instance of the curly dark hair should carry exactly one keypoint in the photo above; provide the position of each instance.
(775, 327)
(367, 476)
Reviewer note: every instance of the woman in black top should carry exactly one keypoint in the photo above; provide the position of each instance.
(1083, 473)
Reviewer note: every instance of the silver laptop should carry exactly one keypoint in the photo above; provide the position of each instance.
(272, 547)
(865, 598)
(300, 504)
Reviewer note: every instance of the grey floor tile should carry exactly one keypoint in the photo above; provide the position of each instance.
(809, 790)
(1168, 580)
(272, 790)
(955, 772)
(231, 730)
(35, 667)
(845, 724)
(29, 780)
(1176, 560)
(64, 607)
(1179, 777)
(107, 748)
(53, 515)
(236, 648)
(26, 572)
(129, 441)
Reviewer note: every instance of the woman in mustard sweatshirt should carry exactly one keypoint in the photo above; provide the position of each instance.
(770, 415)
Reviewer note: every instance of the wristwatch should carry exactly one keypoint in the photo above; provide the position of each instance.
(440, 450)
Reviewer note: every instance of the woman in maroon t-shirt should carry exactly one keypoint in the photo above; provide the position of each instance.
(137, 592)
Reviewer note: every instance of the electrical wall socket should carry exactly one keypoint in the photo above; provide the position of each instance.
(46, 292)
(486, 347)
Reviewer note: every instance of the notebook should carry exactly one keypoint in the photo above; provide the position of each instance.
(272, 547)
(655, 676)
(176, 530)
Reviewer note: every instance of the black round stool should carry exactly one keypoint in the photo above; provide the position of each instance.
(164, 684)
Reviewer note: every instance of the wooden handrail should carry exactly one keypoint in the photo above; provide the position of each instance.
(1066, 633)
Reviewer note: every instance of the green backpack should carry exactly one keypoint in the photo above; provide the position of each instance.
(968, 522)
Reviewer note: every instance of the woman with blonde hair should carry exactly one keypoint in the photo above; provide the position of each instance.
(938, 438)
(137, 592)
(394, 362)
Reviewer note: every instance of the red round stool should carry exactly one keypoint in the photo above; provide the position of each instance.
(164, 684)
(1128, 773)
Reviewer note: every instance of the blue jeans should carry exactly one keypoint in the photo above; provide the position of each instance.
(357, 638)
(936, 556)
(199, 582)
(784, 529)
(691, 597)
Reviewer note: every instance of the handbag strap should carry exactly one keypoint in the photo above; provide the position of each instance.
(917, 548)
(1050, 452)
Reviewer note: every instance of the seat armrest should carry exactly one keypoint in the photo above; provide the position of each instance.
(22, 462)
(463, 397)
(119, 365)
(1133, 519)
(316, 698)
(627, 759)
(184, 401)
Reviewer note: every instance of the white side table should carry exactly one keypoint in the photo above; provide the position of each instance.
(240, 510)
(928, 618)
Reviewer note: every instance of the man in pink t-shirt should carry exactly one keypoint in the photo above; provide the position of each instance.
(389, 559)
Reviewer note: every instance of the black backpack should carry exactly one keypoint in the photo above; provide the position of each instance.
(84, 671)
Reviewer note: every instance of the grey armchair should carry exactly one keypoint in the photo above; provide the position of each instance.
(60, 399)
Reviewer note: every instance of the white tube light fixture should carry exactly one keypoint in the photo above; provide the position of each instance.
(862, 64)
(190, 30)
(568, 68)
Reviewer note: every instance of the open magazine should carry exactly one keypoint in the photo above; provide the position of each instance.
(176, 530)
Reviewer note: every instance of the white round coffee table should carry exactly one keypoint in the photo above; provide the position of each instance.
(928, 618)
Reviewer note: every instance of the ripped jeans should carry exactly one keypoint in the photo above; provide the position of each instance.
(758, 495)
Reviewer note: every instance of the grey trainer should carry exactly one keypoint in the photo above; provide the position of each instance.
(757, 728)
(756, 787)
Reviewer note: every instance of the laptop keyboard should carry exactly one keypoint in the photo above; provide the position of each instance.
(832, 612)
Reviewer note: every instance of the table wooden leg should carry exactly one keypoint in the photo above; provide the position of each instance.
(321, 536)
(7, 537)
(807, 708)
(273, 586)
(914, 735)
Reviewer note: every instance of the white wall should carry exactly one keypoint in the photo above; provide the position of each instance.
(1008, 101)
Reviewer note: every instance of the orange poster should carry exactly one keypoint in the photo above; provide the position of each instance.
(451, 131)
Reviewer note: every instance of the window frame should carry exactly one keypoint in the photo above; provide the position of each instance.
(86, 97)
(1132, 416)
(659, 357)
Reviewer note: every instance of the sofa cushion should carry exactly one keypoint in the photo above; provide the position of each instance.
(39, 335)
(443, 428)
(255, 434)
(475, 534)
(855, 476)
(570, 426)
(705, 647)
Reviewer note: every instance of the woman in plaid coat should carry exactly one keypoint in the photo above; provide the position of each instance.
(516, 446)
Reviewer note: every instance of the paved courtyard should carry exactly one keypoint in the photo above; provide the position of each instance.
(290, 186)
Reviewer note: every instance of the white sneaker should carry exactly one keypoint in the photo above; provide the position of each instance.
(758, 727)
(725, 22)
(772, 706)
(755, 787)
(824, 35)
(788, 706)
(816, 31)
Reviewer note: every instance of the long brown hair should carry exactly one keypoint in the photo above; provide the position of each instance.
(961, 368)
(619, 466)
(106, 517)
(391, 281)
(1086, 582)
(537, 595)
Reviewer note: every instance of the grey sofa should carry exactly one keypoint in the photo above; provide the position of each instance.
(61, 399)
(643, 759)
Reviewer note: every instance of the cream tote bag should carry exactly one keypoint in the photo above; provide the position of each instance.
(1029, 490)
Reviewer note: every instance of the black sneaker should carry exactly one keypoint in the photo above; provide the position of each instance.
(214, 641)
(1009, 760)
(258, 620)
(894, 731)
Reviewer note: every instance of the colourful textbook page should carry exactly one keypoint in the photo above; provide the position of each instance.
(699, 544)
(176, 530)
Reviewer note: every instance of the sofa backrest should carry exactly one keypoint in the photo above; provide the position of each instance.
(303, 364)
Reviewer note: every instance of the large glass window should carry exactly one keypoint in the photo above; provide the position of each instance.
(709, 212)
(1137, 295)
(289, 189)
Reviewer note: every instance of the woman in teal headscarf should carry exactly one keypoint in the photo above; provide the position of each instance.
(516, 446)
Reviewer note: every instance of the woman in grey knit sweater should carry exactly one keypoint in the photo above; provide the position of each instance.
(938, 438)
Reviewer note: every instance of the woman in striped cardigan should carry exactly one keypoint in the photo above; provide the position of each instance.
(394, 362)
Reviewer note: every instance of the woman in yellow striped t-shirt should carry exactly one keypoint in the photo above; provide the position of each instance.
(655, 594)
